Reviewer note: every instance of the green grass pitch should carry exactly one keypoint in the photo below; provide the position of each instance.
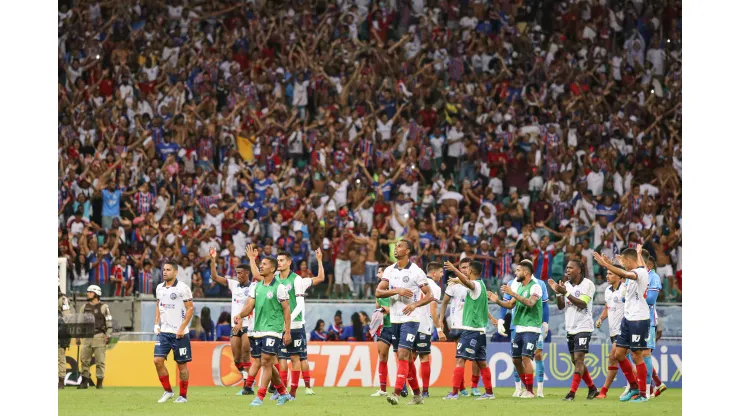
(351, 401)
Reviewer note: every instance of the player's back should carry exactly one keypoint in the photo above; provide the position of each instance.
(615, 308)
(457, 295)
(426, 323)
(635, 305)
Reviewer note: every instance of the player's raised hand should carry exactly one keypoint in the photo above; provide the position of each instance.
(319, 254)
(639, 249)
(251, 252)
(600, 259)
(213, 253)
(405, 292)
(493, 297)
(450, 267)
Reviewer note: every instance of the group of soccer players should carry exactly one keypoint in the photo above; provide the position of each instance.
(268, 331)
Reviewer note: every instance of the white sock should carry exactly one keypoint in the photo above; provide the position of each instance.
(518, 385)
(540, 385)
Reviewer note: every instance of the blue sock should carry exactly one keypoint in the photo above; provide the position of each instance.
(629, 357)
(540, 369)
(516, 376)
(649, 365)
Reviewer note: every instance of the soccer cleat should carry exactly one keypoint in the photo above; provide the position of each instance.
(424, 394)
(256, 402)
(450, 396)
(629, 395)
(245, 391)
(416, 399)
(527, 395)
(475, 392)
(464, 393)
(660, 389)
(639, 399)
(592, 393)
(569, 397)
(166, 396)
(404, 391)
(309, 392)
(517, 393)
(486, 396)
(275, 395)
(392, 399)
(379, 393)
(181, 400)
(283, 398)
(540, 391)
(600, 396)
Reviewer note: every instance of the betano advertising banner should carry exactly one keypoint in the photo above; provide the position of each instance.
(355, 364)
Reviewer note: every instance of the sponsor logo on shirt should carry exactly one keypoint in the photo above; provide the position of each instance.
(269, 295)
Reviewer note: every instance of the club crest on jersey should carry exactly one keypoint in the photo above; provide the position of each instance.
(473, 342)
(578, 293)
(289, 286)
(405, 279)
(173, 296)
(269, 295)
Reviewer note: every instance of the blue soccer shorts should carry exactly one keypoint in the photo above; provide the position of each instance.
(404, 335)
(180, 348)
(472, 346)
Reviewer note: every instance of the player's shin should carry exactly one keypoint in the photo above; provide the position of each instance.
(426, 372)
(540, 372)
(412, 380)
(648, 359)
(401, 374)
(626, 368)
(485, 373)
(383, 374)
(457, 379)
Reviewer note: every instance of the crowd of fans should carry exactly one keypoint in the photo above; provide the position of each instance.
(496, 129)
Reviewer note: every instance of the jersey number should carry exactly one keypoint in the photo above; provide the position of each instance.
(297, 342)
(582, 341)
(183, 351)
(635, 338)
(459, 345)
(410, 337)
(270, 342)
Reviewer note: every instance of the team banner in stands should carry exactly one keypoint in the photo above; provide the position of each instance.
(355, 364)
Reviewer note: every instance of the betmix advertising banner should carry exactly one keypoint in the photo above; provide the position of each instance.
(355, 364)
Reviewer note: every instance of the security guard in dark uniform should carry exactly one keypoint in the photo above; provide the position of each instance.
(96, 345)
(64, 312)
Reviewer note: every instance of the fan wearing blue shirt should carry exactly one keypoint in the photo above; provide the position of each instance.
(260, 184)
(166, 147)
(111, 203)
